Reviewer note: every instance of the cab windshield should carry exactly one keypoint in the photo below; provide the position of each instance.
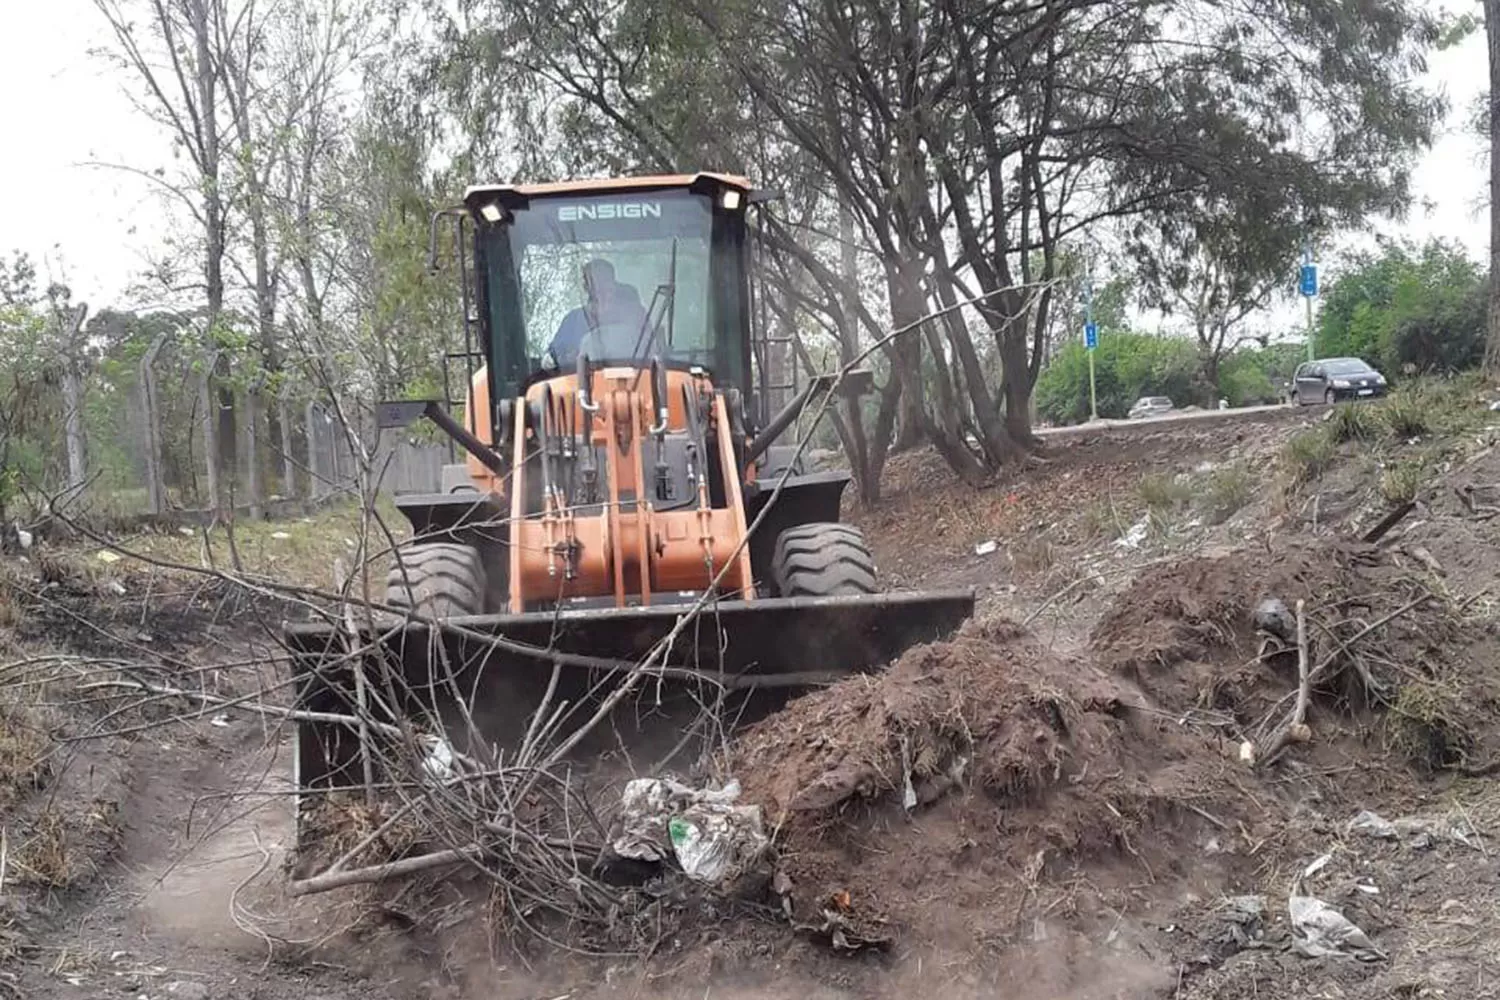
(622, 278)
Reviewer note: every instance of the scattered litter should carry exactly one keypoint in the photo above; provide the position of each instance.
(438, 761)
(1369, 890)
(1419, 832)
(117, 588)
(1321, 931)
(713, 839)
(220, 720)
(1247, 752)
(1133, 538)
(1495, 406)
(24, 537)
(280, 536)
(106, 556)
(986, 547)
(186, 531)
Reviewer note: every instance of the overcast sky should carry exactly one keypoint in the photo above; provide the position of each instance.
(63, 108)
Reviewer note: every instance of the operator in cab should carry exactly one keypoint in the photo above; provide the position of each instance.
(608, 304)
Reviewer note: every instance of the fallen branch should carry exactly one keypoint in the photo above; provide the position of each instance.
(1295, 731)
(381, 873)
(1388, 522)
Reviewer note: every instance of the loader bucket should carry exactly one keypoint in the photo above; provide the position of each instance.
(477, 681)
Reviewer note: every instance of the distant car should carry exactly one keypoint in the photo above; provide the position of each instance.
(1333, 379)
(1150, 406)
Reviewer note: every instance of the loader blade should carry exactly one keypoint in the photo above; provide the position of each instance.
(473, 681)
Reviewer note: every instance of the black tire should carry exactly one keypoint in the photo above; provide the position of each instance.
(437, 580)
(823, 560)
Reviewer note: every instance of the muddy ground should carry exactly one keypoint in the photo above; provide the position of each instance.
(1085, 794)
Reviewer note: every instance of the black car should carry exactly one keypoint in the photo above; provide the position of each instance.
(1333, 379)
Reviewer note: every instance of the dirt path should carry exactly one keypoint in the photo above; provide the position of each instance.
(181, 909)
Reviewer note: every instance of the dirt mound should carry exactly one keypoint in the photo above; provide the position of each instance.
(1185, 630)
(939, 795)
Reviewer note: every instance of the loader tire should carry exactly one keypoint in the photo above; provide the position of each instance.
(437, 580)
(823, 560)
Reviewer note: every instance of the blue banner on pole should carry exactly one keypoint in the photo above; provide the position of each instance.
(1309, 282)
(1091, 335)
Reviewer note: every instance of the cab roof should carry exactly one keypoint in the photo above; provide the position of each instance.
(509, 193)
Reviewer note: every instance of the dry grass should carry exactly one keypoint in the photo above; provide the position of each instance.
(1032, 554)
(299, 552)
(1423, 725)
(1228, 490)
(1164, 492)
(1103, 520)
(46, 856)
(23, 746)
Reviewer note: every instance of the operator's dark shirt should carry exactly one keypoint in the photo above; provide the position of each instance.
(624, 308)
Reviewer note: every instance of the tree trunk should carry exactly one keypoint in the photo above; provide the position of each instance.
(73, 400)
(1492, 341)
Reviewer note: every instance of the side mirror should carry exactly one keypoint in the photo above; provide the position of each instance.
(401, 413)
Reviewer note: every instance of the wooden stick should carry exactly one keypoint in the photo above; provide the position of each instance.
(1304, 685)
(357, 665)
(381, 873)
(1295, 731)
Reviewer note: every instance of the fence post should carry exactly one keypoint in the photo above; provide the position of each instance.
(155, 487)
(288, 467)
(315, 474)
(210, 428)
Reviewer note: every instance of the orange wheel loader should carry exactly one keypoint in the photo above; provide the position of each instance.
(625, 484)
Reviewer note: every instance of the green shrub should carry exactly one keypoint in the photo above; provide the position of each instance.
(1407, 413)
(1401, 482)
(1308, 455)
(1352, 422)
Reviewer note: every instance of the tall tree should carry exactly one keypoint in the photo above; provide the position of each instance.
(1492, 37)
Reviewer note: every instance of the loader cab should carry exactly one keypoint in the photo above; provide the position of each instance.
(625, 271)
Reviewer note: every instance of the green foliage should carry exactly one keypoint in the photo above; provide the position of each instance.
(1421, 308)
(1307, 455)
(1406, 414)
(1127, 367)
(1353, 422)
(1243, 381)
(1401, 481)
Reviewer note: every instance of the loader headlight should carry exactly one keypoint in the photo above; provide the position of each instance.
(730, 200)
(492, 212)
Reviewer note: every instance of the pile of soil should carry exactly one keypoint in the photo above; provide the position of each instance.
(1185, 630)
(932, 801)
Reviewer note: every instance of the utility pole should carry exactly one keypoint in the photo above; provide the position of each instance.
(1090, 341)
(1308, 286)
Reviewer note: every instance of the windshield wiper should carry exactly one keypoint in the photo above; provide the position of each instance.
(646, 338)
